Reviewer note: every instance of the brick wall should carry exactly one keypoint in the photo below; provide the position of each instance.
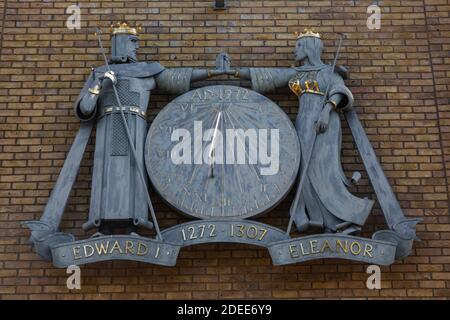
(400, 79)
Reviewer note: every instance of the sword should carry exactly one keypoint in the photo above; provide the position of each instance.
(308, 160)
(130, 140)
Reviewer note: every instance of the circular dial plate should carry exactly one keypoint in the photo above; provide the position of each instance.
(232, 187)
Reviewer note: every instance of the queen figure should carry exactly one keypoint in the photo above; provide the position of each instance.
(324, 200)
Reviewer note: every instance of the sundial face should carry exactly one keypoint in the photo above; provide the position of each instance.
(227, 181)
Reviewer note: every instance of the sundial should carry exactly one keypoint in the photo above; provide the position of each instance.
(241, 153)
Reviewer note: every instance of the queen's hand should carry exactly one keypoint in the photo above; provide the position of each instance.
(324, 119)
(243, 73)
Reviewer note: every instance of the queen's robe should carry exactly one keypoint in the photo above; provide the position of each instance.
(324, 199)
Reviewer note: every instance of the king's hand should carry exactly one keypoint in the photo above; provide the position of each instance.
(109, 76)
(215, 72)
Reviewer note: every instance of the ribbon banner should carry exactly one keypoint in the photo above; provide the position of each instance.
(215, 231)
(380, 250)
(115, 247)
(327, 246)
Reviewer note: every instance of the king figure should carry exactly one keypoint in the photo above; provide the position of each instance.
(118, 194)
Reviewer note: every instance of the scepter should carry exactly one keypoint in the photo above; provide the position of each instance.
(305, 169)
(130, 140)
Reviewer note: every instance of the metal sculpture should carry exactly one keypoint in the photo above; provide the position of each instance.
(201, 182)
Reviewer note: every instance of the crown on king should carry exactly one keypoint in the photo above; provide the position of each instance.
(124, 28)
(307, 33)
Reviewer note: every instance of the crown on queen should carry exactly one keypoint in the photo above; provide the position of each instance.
(307, 33)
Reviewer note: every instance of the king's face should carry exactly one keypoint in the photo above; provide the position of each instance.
(133, 46)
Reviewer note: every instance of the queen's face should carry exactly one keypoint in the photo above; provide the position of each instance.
(299, 51)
